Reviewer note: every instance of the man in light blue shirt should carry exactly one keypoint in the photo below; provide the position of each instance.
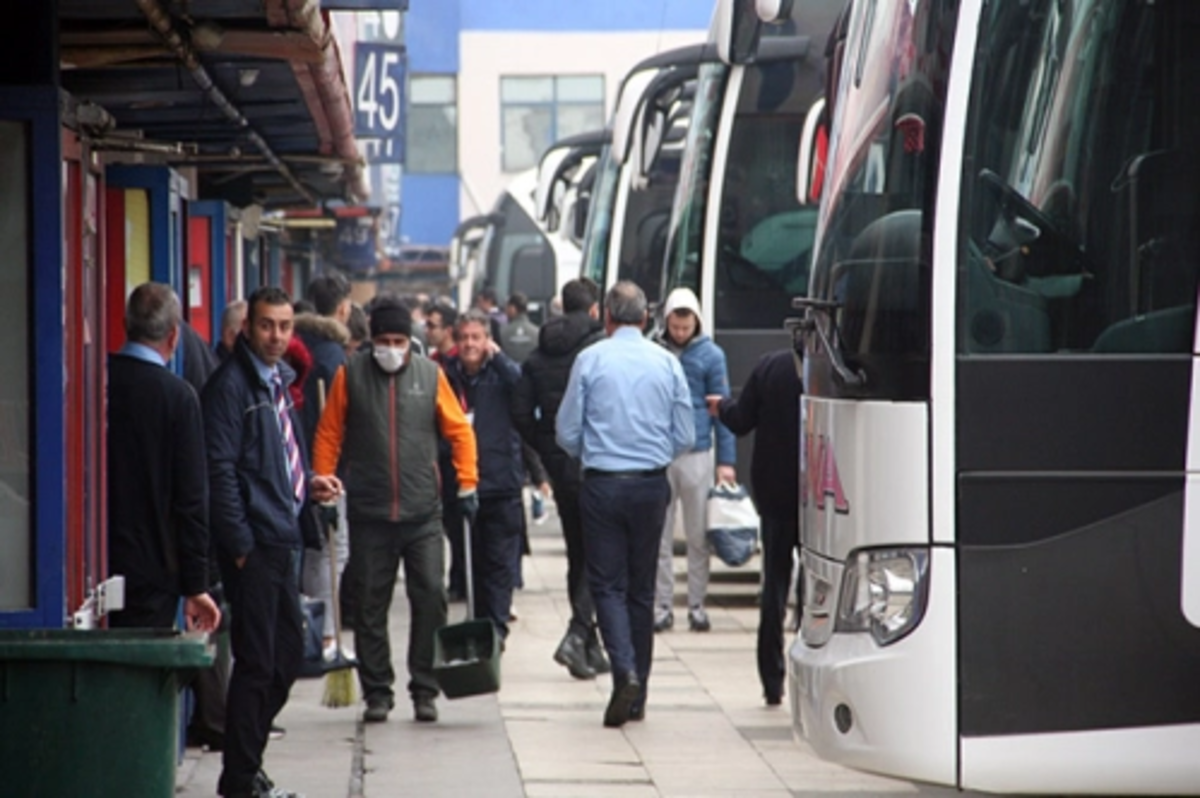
(626, 415)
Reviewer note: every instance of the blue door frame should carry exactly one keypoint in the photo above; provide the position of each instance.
(220, 228)
(37, 107)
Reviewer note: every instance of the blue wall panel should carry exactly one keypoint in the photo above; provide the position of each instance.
(596, 15)
(430, 211)
(431, 29)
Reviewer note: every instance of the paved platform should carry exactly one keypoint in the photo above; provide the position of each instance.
(707, 731)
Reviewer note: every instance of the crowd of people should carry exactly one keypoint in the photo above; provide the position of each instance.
(320, 438)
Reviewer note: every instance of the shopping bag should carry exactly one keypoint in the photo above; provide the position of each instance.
(732, 528)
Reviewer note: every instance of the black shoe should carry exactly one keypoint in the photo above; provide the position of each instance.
(595, 656)
(424, 710)
(377, 710)
(624, 693)
(637, 712)
(572, 655)
(205, 738)
(277, 732)
(664, 622)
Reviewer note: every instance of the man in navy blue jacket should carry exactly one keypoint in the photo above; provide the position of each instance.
(484, 378)
(260, 485)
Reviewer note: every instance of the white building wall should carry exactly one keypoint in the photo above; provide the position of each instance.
(487, 56)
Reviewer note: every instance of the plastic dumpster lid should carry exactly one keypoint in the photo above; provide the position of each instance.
(148, 648)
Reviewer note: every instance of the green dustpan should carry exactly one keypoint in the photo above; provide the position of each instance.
(466, 655)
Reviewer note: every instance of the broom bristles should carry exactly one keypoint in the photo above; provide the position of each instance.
(339, 688)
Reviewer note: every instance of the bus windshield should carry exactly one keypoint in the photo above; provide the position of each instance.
(875, 248)
(1079, 219)
(600, 218)
(518, 254)
(686, 237)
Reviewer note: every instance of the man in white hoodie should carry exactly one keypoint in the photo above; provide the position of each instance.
(691, 474)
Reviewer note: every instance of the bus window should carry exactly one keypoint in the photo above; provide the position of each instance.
(1079, 224)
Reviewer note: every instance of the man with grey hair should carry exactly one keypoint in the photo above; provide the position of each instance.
(232, 320)
(626, 414)
(157, 473)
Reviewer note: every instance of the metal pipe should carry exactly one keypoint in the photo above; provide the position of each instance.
(161, 22)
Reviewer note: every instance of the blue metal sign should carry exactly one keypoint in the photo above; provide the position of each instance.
(379, 106)
(356, 243)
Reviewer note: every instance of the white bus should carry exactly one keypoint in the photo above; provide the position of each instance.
(737, 235)
(1000, 481)
(635, 180)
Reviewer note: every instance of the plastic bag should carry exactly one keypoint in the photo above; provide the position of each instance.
(732, 528)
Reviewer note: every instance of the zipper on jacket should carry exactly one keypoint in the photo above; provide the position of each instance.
(392, 444)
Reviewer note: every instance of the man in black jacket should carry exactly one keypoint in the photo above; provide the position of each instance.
(544, 377)
(157, 480)
(770, 404)
(260, 487)
(484, 379)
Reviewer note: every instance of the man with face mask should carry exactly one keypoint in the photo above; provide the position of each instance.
(381, 424)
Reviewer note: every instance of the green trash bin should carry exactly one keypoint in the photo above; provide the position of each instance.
(93, 713)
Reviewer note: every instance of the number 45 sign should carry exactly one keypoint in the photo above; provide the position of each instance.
(379, 107)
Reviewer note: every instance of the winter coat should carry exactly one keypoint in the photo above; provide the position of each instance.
(544, 378)
(707, 374)
(250, 496)
(326, 339)
(487, 397)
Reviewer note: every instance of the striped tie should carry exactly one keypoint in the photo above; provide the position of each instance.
(290, 449)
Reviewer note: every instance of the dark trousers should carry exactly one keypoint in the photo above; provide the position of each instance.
(622, 528)
(583, 610)
(268, 644)
(495, 546)
(780, 537)
(376, 548)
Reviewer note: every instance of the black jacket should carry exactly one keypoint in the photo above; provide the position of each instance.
(326, 339)
(251, 502)
(488, 394)
(544, 378)
(157, 481)
(769, 405)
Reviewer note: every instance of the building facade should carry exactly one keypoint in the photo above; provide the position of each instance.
(493, 82)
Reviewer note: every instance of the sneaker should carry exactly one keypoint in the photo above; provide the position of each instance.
(698, 620)
(664, 622)
(377, 710)
(277, 732)
(424, 710)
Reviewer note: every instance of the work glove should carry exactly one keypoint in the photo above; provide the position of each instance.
(468, 502)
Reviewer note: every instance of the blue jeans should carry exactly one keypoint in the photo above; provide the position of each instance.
(622, 526)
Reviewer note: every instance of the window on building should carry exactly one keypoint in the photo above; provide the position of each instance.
(538, 111)
(432, 145)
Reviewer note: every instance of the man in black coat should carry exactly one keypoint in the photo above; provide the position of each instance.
(157, 480)
(544, 377)
(769, 405)
(484, 379)
(260, 488)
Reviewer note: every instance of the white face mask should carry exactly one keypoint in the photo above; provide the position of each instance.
(390, 358)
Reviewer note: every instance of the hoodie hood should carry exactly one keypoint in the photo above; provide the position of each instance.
(326, 327)
(683, 299)
(562, 335)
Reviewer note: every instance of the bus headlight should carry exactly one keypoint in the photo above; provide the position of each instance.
(883, 592)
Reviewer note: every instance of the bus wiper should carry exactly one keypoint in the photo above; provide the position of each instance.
(807, 325)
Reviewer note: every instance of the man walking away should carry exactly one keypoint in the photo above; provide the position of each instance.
(544, 379)
(484, 379)
(157, 473)
(626, 415)
(381, 428)
(769, 406)
(260, 486)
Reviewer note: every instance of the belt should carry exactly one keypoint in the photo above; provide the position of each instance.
(596, 473)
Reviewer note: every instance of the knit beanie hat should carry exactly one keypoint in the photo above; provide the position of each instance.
(391, 318)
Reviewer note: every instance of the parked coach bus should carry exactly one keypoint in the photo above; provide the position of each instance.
(1000, 496)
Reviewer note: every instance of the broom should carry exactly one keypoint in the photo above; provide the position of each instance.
(339, 674)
